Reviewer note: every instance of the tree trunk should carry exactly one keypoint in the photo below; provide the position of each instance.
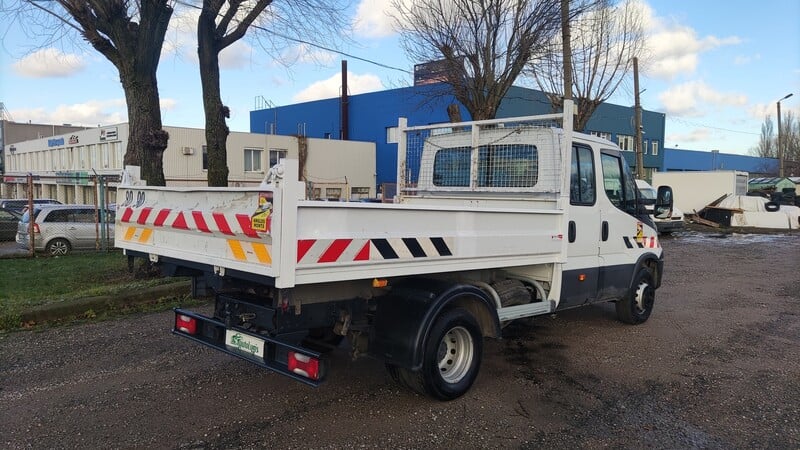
(146, 139)
(216, 129)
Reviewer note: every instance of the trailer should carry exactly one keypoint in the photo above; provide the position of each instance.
(493, 221)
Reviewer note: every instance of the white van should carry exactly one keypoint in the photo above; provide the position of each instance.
(665, 226)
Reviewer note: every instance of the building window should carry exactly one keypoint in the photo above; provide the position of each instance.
(601, 134)
(644, 146)
(252, 160)
(276, 155)
(205, 157)
(654, 145)
(625, 142)
(357, 193)
(391, 135)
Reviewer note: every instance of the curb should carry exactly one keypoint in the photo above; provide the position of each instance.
(69, 308)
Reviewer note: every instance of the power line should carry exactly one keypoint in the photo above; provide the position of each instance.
(312, 44)
(702, 125)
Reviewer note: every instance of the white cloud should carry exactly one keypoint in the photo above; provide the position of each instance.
(49, 63)
(305, 54)
(688, 98)
(331, 87)
(695, 135)
(372, 20)
(168, 104)
(235, 56)
(742, 60)
(90, 113)
(675, 49)
(180, 40)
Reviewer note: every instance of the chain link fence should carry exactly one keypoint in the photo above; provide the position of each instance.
(58, 214)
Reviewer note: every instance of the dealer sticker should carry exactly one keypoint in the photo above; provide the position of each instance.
(244, 343)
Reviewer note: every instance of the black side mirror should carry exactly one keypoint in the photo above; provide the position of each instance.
(663, 206)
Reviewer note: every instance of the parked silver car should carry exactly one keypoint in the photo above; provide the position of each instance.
(59, 229)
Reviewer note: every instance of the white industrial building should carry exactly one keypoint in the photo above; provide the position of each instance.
(64, 167)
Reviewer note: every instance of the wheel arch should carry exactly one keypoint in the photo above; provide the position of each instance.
(404, 318)
(652, 262)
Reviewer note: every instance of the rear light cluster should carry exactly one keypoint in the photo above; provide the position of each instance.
(304, 365)
(185, 324)
(36, 228)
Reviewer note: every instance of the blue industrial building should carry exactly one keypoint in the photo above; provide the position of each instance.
(373, 117)
(693, 160)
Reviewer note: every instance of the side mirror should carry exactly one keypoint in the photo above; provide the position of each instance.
(663, 206)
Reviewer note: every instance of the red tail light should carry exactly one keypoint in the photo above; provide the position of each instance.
(304, 365)
(185, 324)
(35, 227)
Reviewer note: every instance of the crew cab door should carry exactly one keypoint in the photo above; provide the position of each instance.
(624, 235)
(581, 271)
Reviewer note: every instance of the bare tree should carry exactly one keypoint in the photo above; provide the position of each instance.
(484, 45)
(604, 41)
(129, 33)
(766, 143)
(221, 23)
(790, 139)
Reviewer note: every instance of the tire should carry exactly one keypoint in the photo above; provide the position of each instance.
(772, 206)
(58, 247)
(451, 358)
(636, 307)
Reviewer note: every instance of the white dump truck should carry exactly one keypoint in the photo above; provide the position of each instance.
(493, 221)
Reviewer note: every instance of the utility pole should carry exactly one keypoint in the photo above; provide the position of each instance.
(780, 141)
(566, 47)
(638, 121)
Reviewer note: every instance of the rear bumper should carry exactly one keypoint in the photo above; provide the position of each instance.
(211, 333)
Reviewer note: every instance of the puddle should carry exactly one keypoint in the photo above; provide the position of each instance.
(736, 238)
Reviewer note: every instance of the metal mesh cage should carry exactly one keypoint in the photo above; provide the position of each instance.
(520, 156)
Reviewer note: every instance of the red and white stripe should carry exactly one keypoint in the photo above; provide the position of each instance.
(203, 221)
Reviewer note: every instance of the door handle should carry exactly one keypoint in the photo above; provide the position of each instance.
(571, 231)
(605, 231)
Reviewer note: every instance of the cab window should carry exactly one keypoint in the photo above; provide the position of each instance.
(618, 183)
(582, 181)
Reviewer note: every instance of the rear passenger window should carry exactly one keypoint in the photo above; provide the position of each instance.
(83, 216)
(59, 215)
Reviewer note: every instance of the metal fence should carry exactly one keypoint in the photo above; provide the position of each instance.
(58, 214)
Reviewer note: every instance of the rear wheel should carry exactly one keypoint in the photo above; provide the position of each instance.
(451, 358)
(58, 247)
(636, 307)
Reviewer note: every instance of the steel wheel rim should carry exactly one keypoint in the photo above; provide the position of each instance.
(455, 354)
(644, 298)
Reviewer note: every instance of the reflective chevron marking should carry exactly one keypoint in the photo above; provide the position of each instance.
(321, 251)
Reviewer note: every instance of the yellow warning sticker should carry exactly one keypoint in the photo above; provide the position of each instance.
(261, 219)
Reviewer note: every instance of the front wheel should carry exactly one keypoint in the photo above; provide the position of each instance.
(451, 358)
(636, 307)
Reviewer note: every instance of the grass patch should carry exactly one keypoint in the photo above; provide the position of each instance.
(33, 282)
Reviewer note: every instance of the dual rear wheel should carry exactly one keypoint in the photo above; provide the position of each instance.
(451, 359)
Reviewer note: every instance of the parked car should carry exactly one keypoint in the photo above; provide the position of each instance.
(19, 204)
(9, 219)
(60, 229)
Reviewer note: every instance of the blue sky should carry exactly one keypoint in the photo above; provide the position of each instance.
(718, 68)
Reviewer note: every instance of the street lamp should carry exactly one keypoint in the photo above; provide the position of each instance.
(780, 147)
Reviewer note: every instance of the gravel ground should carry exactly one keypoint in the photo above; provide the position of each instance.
(716, 366)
